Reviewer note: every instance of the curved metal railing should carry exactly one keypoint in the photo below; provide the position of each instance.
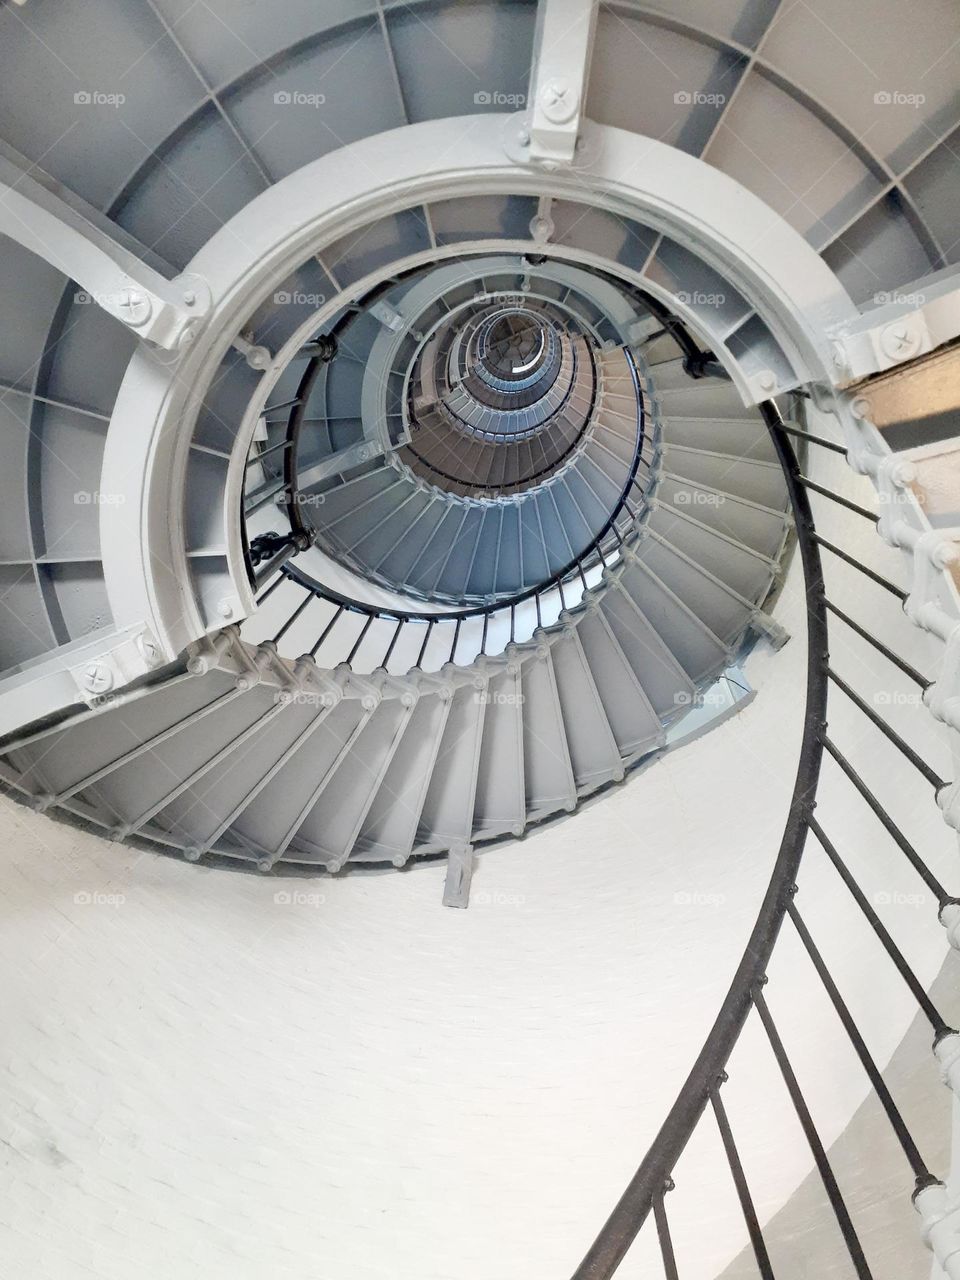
(701, 1093)
(619, 529)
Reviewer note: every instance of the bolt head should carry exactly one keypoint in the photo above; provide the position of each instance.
(98, 678)
(559, 101)
(149, 650)
(541, 228)
(897, 341)
(187, 335)
(134, 307)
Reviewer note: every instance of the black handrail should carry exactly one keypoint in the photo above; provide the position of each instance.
(644, 1194)
(633, 1207)
(327, 346)
(578, 565)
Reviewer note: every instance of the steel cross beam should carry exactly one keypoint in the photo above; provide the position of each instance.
(558, 82)
(35, 214)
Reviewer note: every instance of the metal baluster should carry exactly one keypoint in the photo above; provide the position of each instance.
(811, 439)
(426, 641)
(838, 498)
(390, 646)
(890, 734)
(740, 1182)
(278, 581)
(844, 1221)
(940, 1028)
(307, 600)
(360, 639)
(915, 1160)
(880, 647)
(869, 573)
(663, 1233)
(326, 631)
(921, 868)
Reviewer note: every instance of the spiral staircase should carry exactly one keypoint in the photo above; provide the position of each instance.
(386, 474)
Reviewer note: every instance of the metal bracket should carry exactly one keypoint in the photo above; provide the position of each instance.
(259, 358)
(912, 321)
(943, 696)
(456, 886)
(558, 84)
(83, 671)
(388, 316)
(764, 624)
(105, 670)
(165, 312)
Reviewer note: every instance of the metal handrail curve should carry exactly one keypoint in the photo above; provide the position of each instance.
(591, 555)
(633, 1207)
(644, 1194)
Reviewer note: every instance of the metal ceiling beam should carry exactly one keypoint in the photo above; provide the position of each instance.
(36, 215)
(558, 83)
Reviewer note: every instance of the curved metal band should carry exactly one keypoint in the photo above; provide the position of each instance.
(147, 574)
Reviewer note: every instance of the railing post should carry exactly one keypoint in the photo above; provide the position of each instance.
(940, 1229)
